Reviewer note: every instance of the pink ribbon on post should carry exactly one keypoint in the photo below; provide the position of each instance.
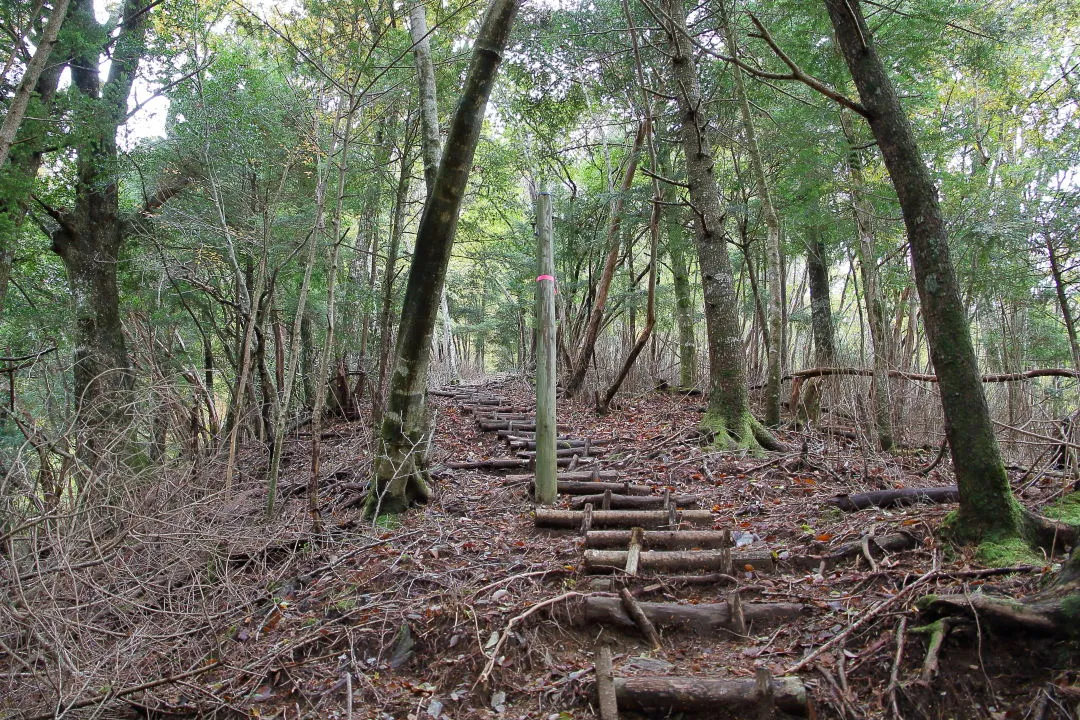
(547, 277)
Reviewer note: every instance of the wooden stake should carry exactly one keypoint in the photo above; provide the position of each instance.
(634, 552)
(630, 605)
(546, 485)
(605, 685)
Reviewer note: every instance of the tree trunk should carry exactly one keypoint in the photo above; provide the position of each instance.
(875, 312)
(580, 364)
(728, 412)
(987, 505)
(772, 247)
(17, 109)
(431, 149)
(401, 462)
(1062, 298)
(386, 311)
(89, 237)
(817, 267)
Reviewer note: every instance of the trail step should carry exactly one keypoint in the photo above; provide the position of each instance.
(551, 518)
(635, 502)
(723, 560)
(700, 618)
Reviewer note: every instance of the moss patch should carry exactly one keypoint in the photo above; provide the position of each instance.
(1065, 509)
(1007, 551)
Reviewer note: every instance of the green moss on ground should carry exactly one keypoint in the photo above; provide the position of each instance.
(1066, 509)
(999, 551)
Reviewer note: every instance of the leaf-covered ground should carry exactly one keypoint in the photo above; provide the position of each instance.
(465, 610)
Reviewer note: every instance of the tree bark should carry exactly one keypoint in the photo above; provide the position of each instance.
(773, 272)
(17, 109)
(875, 312)
(728, 412)
(987, 505)
(401, 461)
(817, 264)
(580, 363)
(89, 235)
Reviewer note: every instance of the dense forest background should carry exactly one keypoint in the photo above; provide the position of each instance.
(208, 211)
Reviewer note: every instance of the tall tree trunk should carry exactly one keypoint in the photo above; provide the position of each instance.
(17, 109)
(580, 364)
(401, 459)
(432, 149)
(817, 268)
(987, 505)
(89, 235)
(1062, 298)
(875, 310)
(773, 274)
(728, 414)
(386, 311)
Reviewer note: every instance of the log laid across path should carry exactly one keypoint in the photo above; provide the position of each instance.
(585, 487)
(704, 617)
(634, 502)
(660, 539)
(723, 560)
(738, 698)
(550, 518)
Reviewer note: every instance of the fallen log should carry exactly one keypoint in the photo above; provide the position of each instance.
(923, 377)
(723, 560)
(699, 618)
(893, 542)
(660, 539)
(552, 518)
(490, 416)
(635, 502)
(579, 475)
(736, 698)
(894, 498)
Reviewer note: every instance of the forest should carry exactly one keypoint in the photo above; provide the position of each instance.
(285, 288)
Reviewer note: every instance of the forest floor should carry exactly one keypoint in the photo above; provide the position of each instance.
(464, 609)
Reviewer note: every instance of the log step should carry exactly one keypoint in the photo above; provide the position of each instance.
(570, 475)
(723, 560)
(699, 618)
(660, 539)
(506, 463)
(547, 517)
(740, 698)
(635, 502)
(566, 452)
(585, 487)
(518, 425)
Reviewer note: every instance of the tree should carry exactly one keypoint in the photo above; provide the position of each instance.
(728, 415)
(987, 506)
(401, 462)
(90, 233)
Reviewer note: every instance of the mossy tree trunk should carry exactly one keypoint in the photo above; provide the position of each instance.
(401, 463)
(728, 415)
(987, 505)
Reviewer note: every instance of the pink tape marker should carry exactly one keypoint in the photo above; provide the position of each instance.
(546, 277)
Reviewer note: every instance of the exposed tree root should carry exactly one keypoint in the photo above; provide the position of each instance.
(1054, 611)
(744, 433)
